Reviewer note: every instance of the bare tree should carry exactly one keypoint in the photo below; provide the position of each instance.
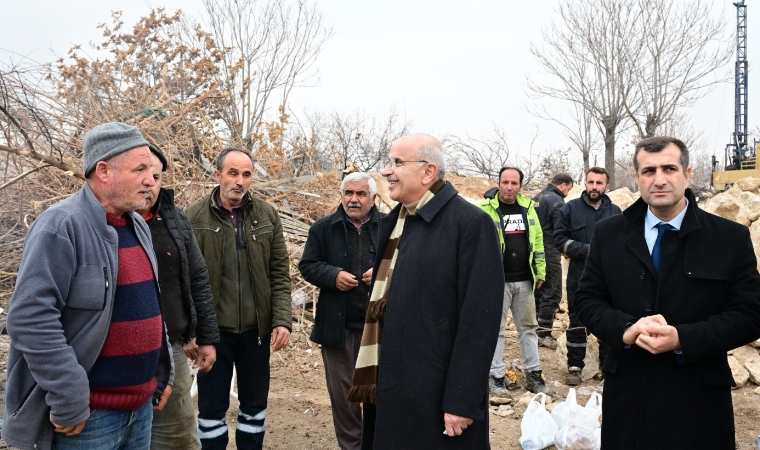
(579, 126)
(700, 156)
(673, 69)
(362, 140)
(584, 55)
(479, 156)
(270, 48)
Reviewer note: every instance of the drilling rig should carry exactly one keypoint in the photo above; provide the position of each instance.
(739, 156)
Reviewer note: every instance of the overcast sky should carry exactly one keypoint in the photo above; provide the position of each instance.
(453, 67)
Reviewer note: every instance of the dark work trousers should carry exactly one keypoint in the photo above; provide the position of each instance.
(251, 359)
(576, 334)
(550, 294)
(339, 372)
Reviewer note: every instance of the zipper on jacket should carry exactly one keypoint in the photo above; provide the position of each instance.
(240, 293)
(23, 401)
(213, 230)
(105, 276)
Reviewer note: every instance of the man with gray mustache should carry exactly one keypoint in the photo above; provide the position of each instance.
(338, 259)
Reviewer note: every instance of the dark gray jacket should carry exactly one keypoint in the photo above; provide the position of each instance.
(574, 228)
(196, 292)
(59, 318)
(324, 255)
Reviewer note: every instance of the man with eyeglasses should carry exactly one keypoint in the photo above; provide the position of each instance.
(338, 258)
(435, 287)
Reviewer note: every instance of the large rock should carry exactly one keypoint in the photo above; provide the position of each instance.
(753, 367)
(734, 191)
(754, 234)
(745, 354)
(750, 208)
(740, 374)
(623, 197)
(748, 184)
(724, 205)
(748, 357)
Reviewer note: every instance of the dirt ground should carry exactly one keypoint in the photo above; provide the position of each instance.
(299, 415)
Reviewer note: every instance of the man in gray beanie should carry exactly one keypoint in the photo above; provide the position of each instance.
(89, 357)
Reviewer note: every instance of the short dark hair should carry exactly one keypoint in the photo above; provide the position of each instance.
(223, 154)
(562, 178)
(600, 171)
(657, 144)
(501, 171)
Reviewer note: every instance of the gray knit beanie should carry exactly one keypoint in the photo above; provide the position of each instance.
(108, 140)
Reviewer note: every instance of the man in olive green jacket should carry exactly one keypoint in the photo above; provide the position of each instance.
(242, 242)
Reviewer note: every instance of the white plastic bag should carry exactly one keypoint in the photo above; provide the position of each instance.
(537, 426)
(561, 412)
(581, 431)
(573, 438)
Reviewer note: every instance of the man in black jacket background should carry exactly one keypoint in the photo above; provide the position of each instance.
(547, 203)
(338, 259)
(187, 306)
(573, 231)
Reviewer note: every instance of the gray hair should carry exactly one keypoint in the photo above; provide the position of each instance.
(433, 154)
(359, 176)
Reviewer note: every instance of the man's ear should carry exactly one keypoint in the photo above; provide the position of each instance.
(430, 173)
(102, 170)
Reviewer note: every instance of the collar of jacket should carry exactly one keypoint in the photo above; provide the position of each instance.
(555, 189)
(165, 201)
(246, 199)
(521, 200)
(340, 215)
(637, 212)
(606, 201)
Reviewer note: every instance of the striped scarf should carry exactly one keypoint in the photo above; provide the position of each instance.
(364, 387)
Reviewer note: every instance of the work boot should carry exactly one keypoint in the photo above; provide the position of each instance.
(511, 379)
(498, 388)
(573, 377)
(534, 382)
(548, 342)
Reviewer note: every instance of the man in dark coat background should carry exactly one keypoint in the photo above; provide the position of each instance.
(573, 230)
(440, 314)
(548, 296)
(188, 309)
(670, 304)
(338, 258)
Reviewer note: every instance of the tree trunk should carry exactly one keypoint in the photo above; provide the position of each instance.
(610, 126)
(586, 164)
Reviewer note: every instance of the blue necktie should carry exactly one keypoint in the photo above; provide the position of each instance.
(657, 249)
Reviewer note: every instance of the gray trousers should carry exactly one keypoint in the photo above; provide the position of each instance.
(518, 297)
(175, 427)
(339, 371)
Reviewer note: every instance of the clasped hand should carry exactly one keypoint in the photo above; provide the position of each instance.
(653, 334)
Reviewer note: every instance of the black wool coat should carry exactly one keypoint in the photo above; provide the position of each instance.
(325, 254)
(709, 290)
(440, 327)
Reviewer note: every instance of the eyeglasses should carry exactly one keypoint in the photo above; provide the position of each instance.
(396, 162)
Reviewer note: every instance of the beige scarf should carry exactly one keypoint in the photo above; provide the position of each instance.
(364, 387)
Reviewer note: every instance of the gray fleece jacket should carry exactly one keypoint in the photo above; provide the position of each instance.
(59, 318)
